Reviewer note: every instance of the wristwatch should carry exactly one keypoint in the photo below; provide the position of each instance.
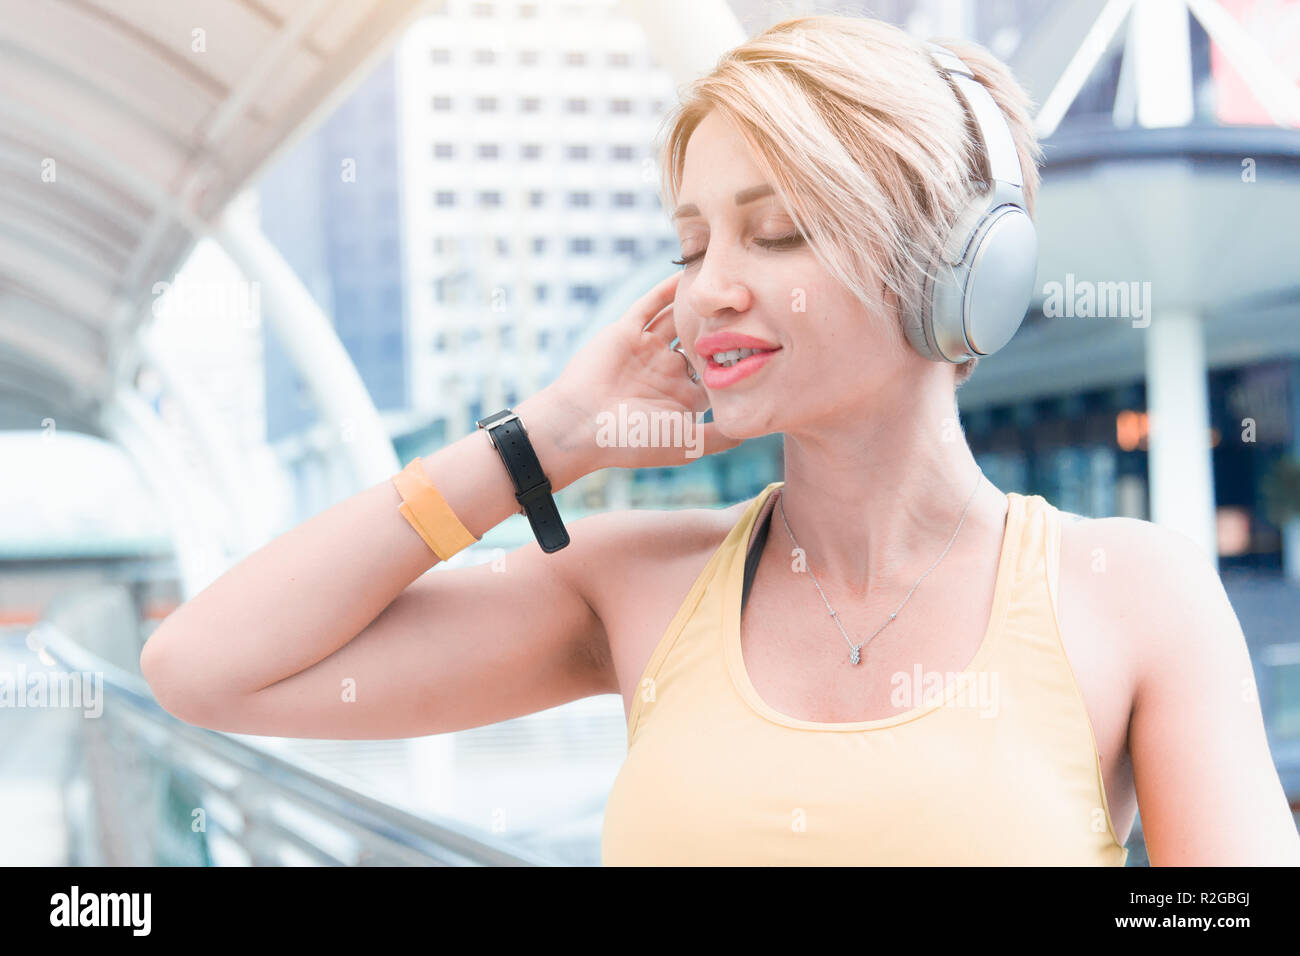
(532, 487)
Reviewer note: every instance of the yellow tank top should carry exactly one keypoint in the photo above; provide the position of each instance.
(1004, 776)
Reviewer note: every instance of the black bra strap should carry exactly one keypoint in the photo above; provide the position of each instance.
(751, 559)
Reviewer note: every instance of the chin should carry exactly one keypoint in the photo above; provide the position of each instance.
(744, 422)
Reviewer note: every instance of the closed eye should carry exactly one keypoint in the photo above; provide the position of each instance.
(784, 242)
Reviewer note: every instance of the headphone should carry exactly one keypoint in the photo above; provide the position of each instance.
(981, 289)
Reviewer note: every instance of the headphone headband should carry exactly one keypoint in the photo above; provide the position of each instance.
(984, 277)
(999, 145)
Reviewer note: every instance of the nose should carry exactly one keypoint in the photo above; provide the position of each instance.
(718, 284)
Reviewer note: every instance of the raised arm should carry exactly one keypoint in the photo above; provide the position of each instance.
(334, 630)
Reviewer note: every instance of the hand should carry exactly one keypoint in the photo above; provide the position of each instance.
(625, 399)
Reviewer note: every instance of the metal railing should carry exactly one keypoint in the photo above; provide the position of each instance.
(156, 790)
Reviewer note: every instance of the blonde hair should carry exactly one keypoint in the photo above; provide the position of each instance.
(863, 139)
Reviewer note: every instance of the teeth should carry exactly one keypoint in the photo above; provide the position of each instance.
(732, 357)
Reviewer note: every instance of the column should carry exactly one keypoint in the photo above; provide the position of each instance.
(1179, 458)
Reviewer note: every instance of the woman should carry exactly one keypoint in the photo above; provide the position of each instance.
(960, 676)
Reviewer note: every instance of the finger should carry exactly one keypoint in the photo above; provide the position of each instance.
(660, 325)
(651, 303)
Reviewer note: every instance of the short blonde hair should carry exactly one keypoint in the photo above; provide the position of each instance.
(864, 140)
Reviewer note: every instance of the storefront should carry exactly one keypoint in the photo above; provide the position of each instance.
(1087, 452)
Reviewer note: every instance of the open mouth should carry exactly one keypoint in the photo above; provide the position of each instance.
(728, 359)
(727, 368)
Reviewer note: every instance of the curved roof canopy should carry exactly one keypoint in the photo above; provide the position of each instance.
(126, 126)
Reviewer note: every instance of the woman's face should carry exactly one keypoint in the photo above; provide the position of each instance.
(746, 282)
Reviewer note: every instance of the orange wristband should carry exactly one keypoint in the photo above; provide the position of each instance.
(428, 512)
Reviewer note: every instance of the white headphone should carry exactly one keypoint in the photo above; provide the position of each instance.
(980, 292)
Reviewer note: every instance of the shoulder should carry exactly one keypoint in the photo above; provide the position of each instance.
(1154, 586)
(606, 549)
(1158, 557)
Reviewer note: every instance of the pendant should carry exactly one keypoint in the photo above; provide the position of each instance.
(855, 656)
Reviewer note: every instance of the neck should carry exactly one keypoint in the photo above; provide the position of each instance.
(873, 501)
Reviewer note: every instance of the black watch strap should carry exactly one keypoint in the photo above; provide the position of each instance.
(532, 487)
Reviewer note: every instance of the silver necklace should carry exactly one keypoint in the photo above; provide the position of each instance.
(855, 650)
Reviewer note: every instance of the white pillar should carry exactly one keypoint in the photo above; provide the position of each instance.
(308, 336)
(192, 514)
(1179, 457)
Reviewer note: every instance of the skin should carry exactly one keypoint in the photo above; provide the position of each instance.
(877, 474)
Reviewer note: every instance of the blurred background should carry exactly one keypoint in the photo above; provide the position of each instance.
(256, 255)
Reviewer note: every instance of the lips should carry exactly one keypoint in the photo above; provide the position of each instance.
(708, 345)
(717, 375)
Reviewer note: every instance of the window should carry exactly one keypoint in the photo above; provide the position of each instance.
(582, 293)
(530, 151)
(482, 9)
(503, 246)
(620, 60)
(506, 336)
(624, 199)
(489, 197)
(575, 105)
(620, 106)
(444, 197)
(576, 151)
(527, 57)
(530, 104)
(624, 246)
(536, 198)
(575, 58)
(622, 153)
(527, 11)
(443, 150)
(441, 104)
(543, 339)
(580, 246)
(539, 293)
(539, 245)
(486, 104)
(488, 151)
(580, 199)
(485, 56)
(440, 55)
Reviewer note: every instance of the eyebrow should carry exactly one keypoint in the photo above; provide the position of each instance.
(742, 197)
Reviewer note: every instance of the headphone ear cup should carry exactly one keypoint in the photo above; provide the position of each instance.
(921, 326)
(916, 322)
(998, 284)
(974, 308)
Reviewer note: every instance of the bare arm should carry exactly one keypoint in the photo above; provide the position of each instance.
(332, 630)
(1208, 790)
(322, 632)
